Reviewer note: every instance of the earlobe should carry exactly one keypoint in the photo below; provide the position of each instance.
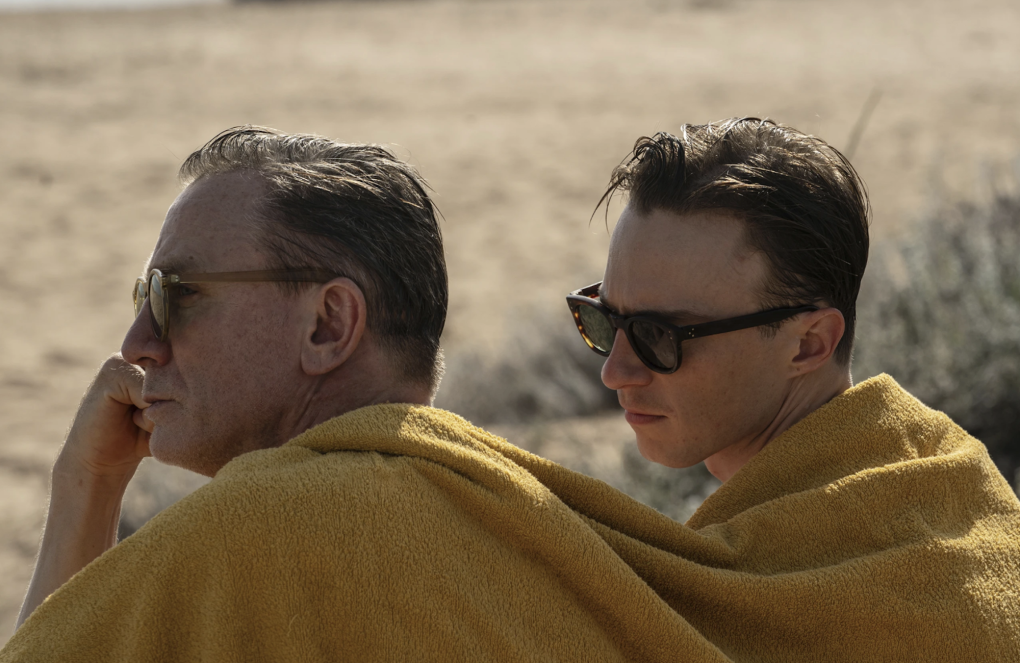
(339, 326)
(820, 334)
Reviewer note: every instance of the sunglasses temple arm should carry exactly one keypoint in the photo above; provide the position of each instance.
(742, 322)
(309, 275)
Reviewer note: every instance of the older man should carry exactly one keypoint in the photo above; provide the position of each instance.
(348, 520)
(286, 342)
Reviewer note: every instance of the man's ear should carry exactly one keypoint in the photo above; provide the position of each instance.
(340, 319)
(819, 333)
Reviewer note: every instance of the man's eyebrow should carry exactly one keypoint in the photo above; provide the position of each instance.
(682, 316)
(171, 266)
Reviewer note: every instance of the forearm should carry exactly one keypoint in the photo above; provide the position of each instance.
(106, 442)
(81, 525)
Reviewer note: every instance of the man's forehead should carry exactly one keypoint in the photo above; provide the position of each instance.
(209, 228)
(181, 263)
(695, 266)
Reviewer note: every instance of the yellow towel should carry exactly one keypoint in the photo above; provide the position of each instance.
(874, 530)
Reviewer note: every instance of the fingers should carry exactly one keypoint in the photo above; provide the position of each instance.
(124, 380)
(109, 435)
(138, 416)
(144, 433)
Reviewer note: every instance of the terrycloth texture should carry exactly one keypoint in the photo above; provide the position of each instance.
(873, 530)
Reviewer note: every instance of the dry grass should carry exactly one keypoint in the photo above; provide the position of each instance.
(941, 314)
(542, 370)
(154, 487)
(602, 446)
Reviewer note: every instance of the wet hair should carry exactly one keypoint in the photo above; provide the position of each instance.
(354, 210)
(803, 205)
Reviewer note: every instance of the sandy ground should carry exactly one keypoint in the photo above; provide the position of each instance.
(515, 111)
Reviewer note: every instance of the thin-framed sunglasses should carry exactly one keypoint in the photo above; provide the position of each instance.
(156, 288)
(655, 341)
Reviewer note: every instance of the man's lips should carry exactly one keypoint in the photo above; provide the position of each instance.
(155, 405)
(642, 418)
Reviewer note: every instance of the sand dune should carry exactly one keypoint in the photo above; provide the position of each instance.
(515, 111)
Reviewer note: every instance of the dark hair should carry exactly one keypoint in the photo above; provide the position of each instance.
(804, 206)
(356, 211)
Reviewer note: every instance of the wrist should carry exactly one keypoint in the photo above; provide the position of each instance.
(75, 480)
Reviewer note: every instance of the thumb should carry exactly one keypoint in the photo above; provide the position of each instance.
(129, 385)
(138, 416)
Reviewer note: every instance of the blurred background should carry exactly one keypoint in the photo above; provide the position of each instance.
(516, 111)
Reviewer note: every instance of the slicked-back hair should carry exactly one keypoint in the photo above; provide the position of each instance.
(804, 206)
(354, 210)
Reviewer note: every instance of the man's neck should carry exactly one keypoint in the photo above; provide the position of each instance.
(805, 397)
(327, 401)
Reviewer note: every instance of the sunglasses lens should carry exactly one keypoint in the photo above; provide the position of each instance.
(596, 328)
(157, 305)
(654, 344)
(139, 295)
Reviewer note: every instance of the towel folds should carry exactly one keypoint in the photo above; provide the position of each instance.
(873, 530)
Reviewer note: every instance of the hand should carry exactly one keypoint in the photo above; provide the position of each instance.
(107, 441)
(109, 436)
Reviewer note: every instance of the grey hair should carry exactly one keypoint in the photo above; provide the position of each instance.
(354, 210)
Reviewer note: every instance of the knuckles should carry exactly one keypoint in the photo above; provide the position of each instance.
(116, 366)
(114, 363)
(116, 378)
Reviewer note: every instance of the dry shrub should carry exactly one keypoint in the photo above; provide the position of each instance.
(941, 314)
(675, 492)
(154, 487)
(542, 371)
(602, 446)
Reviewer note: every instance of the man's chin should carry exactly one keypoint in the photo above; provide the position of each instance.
(669, 454)
(177, 450)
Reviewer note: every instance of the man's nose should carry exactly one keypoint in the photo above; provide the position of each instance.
(622, 367)
(141, 347)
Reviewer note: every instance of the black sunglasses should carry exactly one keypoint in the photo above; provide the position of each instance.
(156, 288)
(655, 341)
